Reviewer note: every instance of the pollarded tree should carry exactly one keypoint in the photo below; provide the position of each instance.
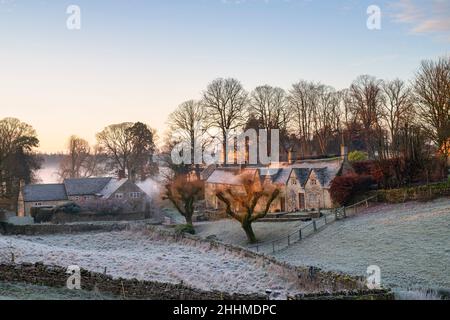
(184, 193)
(242, 204)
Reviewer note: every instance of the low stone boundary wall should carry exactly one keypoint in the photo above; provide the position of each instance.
(42, 229)
(62, 217)
(53, 276)
(39, 274)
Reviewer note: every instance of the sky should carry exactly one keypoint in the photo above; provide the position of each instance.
(136, 60)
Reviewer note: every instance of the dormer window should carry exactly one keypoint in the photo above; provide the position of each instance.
(313, 182)
(293, 181)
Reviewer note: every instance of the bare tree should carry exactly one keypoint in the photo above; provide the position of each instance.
(326, 116)
(432, 94)
(241, 205)
(188, 124)
(130, 147)
(367, 100)
(398, 108)
(117, 144)
(269, 106)
(303, 100)
(225, 101)
(77, 163)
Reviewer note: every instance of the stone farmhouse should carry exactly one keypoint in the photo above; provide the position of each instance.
(88, 193)
(304, 184)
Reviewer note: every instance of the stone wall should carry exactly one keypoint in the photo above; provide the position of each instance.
(62, 217)
(42, 229)
(39, 274)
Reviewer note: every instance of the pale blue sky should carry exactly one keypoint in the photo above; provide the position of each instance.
(137, 60)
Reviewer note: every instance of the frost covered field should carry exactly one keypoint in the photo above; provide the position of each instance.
(134, 254)
(409, 242)
(230, 231)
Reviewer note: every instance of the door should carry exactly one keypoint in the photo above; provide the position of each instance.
(283, 204)
(301, 201)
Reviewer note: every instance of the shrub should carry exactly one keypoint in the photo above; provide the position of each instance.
(185, 228)
(69, 207)
(41, 215)
(357, 156)
(344, 188)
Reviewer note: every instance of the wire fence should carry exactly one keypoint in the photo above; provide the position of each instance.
(316, 225)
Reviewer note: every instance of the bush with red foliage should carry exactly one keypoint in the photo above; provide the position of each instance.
(398, 172)
(343, 188)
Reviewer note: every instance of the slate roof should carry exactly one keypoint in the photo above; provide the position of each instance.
(322, 176)
(112, 187)
(302, 175)
(205, 174)
(275, 175)
(44, 192)
(85, 186)
(229, 176)
(325, 169)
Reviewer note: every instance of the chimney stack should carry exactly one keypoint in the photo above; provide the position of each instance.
(20, 200)
(292, 157)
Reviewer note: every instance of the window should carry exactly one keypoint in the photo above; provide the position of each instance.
(313, 182)
(77, 198)
(38, 204)
(86, 198)
(119, 196)
(293, 181)
(135, 195)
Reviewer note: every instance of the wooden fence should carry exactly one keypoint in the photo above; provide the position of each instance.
(316, 225)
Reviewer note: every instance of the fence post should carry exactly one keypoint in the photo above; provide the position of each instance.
(289, 241)
(325, 216)
(257, 247)
(335, 214)
(314, 225)
(345, 213)
(300, 234)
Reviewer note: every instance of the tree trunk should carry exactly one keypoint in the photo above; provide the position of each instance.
(247, 226)
(188, 218)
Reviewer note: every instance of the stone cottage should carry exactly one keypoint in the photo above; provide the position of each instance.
(88, 193)
(303, 184)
